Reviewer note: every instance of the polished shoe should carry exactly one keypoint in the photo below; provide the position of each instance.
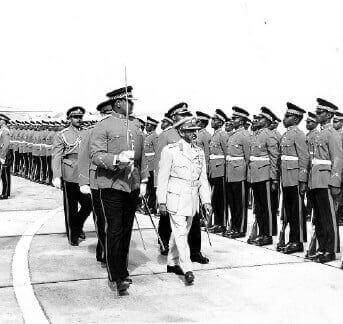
(236, 235)
(199, 258)
(326, 257)
(175, 269)
(280, 247)
(128, 279)
(313, 257)
(250, 240)
(263, 240)
(293, 248)
(189, 277)
(3, 197)
(74, 243)
(227, 233)
(215, 229)
(122, 287)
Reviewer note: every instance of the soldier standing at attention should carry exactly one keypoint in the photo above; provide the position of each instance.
(263, 176)
(116, 146)
(182, 185)
(5, 167)
(295, 160)
(217, 171)
(64, 165)
(325, 182)
(237, 160)
(150, 146)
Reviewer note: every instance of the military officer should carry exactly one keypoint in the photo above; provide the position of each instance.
(203, 136)
(325, 182)
(5, 166)
(217, 171)
(64, 165)
(295, 160)
(237, 160)
(150, 146)
(337, 122)
(263, 176)
(229, 126)
(182, 184)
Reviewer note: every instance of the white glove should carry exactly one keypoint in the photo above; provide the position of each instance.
(2, 161)
(142, 189)
(56, 183)
(85, 189)
(126, 156)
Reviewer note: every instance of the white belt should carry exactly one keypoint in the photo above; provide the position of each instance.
(259, 158)
(234, 158)
(192, 183)
(319, 161)
(215, 156)
(289, 158)
(149, 154)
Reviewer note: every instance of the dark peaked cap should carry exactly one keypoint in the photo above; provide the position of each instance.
(294, 109)
(121, 93)
(221, 115)
(202, 116)
(4, 117)
(151, 121)
(180, 108)
(240, 112)
(311, 116)
(267, 113)
(104, 104)
(76, 111)
(326, 105)
(338, 116)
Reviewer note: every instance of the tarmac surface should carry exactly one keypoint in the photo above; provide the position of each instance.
(43, 279)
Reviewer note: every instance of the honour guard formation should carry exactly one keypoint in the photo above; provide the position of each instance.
(187, 177)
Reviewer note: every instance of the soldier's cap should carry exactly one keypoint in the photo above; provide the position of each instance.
(179, 109)
(151, 121)
(187, 123)
(311, 117)
(75, 111)
(167, 118)
(105, 105)
(240, 112)
(267, 113)
(4, 117)
(45, 122)
(326, 105)
(202, 116)
(338, 116)
(294, 109)
(219, 114)
(121, 93)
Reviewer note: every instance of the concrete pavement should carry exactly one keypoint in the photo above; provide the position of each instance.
(242, 283)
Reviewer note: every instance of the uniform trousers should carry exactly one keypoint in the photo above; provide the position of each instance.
(294, 208)
(49, 169)
(99, 221)
(16, 162)
(43, 168)
(325, 222)
(237, 198)
(265, 213)
(119, 208)
(6, 174)
(179, 252)
(74, 218)
(151, 193)
(218, 200)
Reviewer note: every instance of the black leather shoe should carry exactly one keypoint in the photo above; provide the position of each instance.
(236, 235)
(264, 240)
(3, 197)
(293, 248)
(199, 258)
(122, 287)
(250, 240)
(175, 269)
(82, 235)
(313, 257)
(74, 243)
(128, 279)
(189, 277)
(215, 229)
(326, 257)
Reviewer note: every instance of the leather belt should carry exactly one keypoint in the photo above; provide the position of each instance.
(234, 158)
(321, 162)
(289, 158)
(192, 183)
(216, 156)
(259, 158)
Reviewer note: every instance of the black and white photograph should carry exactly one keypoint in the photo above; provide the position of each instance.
(171, 161)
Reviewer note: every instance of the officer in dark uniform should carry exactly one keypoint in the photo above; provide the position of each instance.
(64, 165)
(5, 163)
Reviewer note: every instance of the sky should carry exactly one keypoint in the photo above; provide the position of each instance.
(210, 54)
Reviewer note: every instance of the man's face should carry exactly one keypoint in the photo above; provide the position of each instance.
(76, 121)
(321, 116)
(164, 124)
(149, 127)
(229, 127)
(337, 124)
(262, 122)
(289, 120)
(273, 125)
(216, 123)
(121, 106)
(236, 122)
(188, 135)
(310, 125)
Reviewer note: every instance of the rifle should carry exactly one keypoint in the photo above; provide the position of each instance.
(153, 224)
(281, 244)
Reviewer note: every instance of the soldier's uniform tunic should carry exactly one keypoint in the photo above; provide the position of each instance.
(64, 164)
(294, 169)
(275, 195)
(119, 186)
(5, 138)
(203, 141)
(263, 167)
(182, 182)
(237, 160)
(48, 144)
(326, 172)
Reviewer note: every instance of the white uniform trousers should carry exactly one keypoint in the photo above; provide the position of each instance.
(178, 243)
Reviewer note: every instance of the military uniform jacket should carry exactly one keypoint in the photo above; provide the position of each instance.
(327, 162)
(310, 140)
(108, 140)
(65, 153)
(150, 147)
(218, 146)
(14, 139)
(182, 179)
(203, 141)
(5, 138)
(238, 155)
(264, 156)
(49, 142)
(295, 157)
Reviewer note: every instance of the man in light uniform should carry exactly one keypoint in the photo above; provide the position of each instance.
(295, 160)
(5, 166)
(182, 184)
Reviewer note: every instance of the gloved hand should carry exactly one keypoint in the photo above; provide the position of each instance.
(85, 189)
(56, 182)
(302, 188)
(142, 189)
(162, 209)
(126, 156)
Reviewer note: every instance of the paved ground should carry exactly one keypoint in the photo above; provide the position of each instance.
(43, 279)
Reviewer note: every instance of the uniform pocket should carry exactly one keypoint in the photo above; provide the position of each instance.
(173, 201)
